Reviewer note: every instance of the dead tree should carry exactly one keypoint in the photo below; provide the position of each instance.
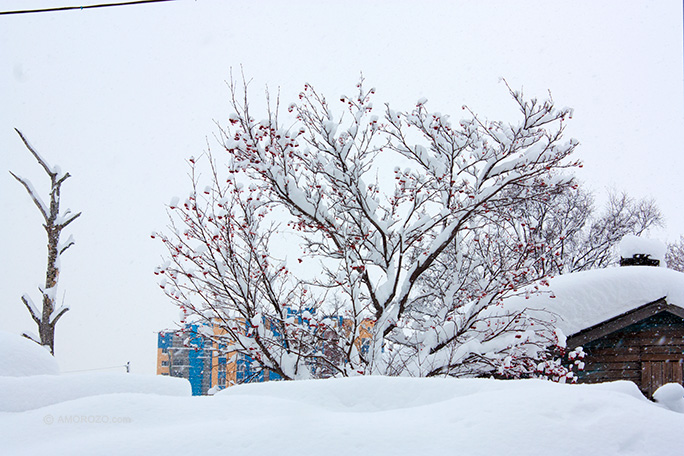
(47, 318)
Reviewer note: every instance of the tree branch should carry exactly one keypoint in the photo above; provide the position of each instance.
(39, 204)
(29, 337)
(31, 308)
(64, 225)
(42, 162)
(59, 315)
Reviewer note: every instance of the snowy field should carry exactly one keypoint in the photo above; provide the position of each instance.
(78, 414)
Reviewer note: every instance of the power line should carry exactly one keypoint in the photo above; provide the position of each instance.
(67, 8)
(127, 366)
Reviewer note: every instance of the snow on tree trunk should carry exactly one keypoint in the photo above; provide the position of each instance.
(46, 318)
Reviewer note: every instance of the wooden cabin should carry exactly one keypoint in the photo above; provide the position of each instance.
(628, 320)
(644, 345)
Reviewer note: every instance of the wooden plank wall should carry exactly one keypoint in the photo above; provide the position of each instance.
(645, 353)
(657, 373)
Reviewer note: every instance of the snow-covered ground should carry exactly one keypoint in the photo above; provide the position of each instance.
(136, 415)
(363, 415)
(20, 357)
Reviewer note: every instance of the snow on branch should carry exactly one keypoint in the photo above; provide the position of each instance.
(54, 223)
(33, 310)
(57, 314)
(413, 263)
(34, 195)
(52, 172)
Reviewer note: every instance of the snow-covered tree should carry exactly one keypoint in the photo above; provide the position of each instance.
(219, 269)
(399, 252)
(54, 222)
(674, 257)
(558, 232)
(564, 232)
(594, 244)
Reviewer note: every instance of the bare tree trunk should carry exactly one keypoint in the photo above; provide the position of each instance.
(47, 318)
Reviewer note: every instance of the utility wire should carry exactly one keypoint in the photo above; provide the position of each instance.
(127, 366)
(67, 8)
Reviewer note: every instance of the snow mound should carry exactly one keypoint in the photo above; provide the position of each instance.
(28, 393)
(377, 393)
(671, 396)
(359, 394)
(20, 357)
(362, 415)
(631, 245)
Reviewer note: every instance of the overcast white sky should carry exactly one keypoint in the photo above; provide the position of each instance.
(121, 97)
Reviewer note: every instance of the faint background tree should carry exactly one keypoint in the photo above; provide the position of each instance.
(564, 232)
(674, 257)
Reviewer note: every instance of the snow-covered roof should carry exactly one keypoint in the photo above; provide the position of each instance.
(585, 299)
(631, 245)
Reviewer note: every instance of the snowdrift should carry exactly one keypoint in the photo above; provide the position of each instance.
(29, 380)
(123, 414)
(363, 415)
(18, 394)
(20, 356)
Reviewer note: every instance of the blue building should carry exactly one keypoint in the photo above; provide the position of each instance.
(186, 354)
